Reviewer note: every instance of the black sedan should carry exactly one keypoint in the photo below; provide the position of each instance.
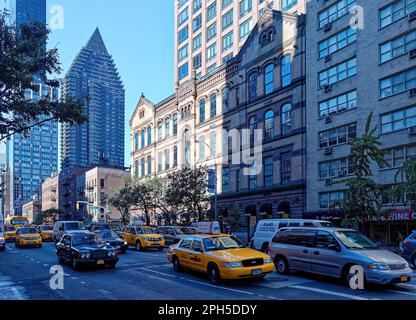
(81, 248)
(111, 238)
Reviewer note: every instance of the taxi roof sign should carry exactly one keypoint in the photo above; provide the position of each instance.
(208, 227)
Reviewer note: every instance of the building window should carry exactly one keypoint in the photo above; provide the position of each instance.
(268, 172)
(202, 149)
(337, 42)
(225, 94)
(160, 131)
(396, 11)
(159, 161)
(338, 73)
(337, 136)
(175, 156)
(335, 168)
(183, 53)
(286, 70)
(253, 86)
(182, 3)
(237, 180)
(183, 71)
(228, 41)
(167, 159)
(335, 12)
(212, 31)
(245, 29)
(213, 144)
(197, 23)
(225, 180)
(245, 7)
(187, 149)
(398, 83)
(286, 167)
(212, 52)
(197, 5)
(395, 158)
(175, 124)
(183, 17)
(288, 4)
(269, 125)
(213, 106)
(252, 177)
(197, 42)
(183, 35)
(397, 47)
(143, 138)
(136, 142)
(252, 126)
(143, 169)
(167, 127)
(286, 119)
(227, 20)
(202, 110)
(347, 101)
(398, 120)
(212, 11)
(330, 200)
(136, 168)
(269, 79)
(197, 61)
(149, 136)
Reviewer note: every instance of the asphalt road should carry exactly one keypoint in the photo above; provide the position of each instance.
(25, 274)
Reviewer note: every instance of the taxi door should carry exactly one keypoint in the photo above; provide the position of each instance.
(196, 255)
(184, 252)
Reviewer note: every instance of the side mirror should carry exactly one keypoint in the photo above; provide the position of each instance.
(334, 247)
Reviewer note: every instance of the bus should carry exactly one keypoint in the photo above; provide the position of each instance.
(16, 221)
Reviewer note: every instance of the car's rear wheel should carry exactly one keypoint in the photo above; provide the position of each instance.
(214, 274)
(176, 264)
(138, 245)
(75, 264)
(60, 258)
(282, 266)
(265, 248)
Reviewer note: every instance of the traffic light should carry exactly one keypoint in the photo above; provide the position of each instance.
(77, 205)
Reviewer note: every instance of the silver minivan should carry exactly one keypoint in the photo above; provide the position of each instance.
(336, 252)
(61, 227)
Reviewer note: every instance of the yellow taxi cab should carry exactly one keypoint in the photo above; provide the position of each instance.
(9, 233)
(46, 232)
(28, 237)
(143, 237)
(221, 256)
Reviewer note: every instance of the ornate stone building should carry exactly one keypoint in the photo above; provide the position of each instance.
(261, 90)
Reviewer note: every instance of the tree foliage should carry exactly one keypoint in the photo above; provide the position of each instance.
(122, 199)
(49, 217)
(23, 58)
(407, 184)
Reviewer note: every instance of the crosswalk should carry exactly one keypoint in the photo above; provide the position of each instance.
(10, 291)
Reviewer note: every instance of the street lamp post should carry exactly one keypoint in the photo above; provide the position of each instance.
(216, 179)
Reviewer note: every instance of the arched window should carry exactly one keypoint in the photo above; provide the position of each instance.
(143, 138)
(269, 125)
(175, 156)
(143, 165)
(286, 70)
(202, 148)
(213, 105)
(175, 124)
(149, 165)
(187, 148)
(213, 144)
(253, 86)
(269, 79)
(225, 99)
(202, 110)
(252, 122)
(136, 168)
(160, 131)
(286, 118)
(167, 127)
(149, 135)
(167, 159)
(136, 142)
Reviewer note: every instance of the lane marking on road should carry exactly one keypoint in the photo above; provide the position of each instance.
(150, 254)
(157, 272)
(45, 265)
(408, 285)
(402, 292)
(17, 294)
(339, 294)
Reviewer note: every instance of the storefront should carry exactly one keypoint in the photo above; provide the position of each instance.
(386, 231)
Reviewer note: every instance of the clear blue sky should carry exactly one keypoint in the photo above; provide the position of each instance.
(138, 34)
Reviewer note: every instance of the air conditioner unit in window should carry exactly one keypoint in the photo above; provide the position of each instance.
(328, 151)
(412, 131)
(328, 119)
(328, 57)
(412, 54)
(328, 88)
(327, 27)
(412, 16)
(328, 182)
(412, 92)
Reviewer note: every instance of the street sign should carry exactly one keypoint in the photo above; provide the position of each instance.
(212, 181)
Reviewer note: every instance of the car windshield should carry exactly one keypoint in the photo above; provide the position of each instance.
(10, 229)
(19, 222)
(83, 239)
(46, 228)
(326, 224)
(28, 230)
(355, 240)
(222, 243)
(72, 226)
(186, 231)
(108, 234)
(149, 230)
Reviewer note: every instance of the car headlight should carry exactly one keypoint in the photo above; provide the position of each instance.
(85, 255)
(232, 264)
(268, 260)
(378, 266)
(125, 243)
(112, 253)
(1, 238)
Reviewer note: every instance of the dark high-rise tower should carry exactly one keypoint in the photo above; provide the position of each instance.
(93, 77)
(24, 11)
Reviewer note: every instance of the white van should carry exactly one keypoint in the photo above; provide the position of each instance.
(266, 229)
(61, 227)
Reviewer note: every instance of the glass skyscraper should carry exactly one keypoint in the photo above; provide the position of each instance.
(31, 158)
(94, 78)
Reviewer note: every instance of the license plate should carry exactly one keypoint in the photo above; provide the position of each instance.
(404, 279)
(100, 262)
(256, 272)
(155, 242)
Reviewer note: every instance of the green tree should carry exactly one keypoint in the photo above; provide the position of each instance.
(49, 217)
(363, 197)
(122, 199)
(142, 194)
(159, 188)
(23, 58)
(407, 184)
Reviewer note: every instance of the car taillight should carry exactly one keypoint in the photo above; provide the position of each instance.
(406, 243)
